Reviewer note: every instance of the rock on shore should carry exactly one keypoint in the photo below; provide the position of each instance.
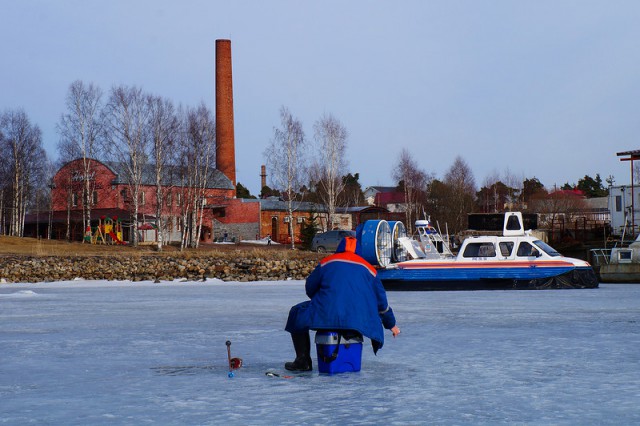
(153, 268)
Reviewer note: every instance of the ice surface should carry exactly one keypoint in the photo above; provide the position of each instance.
(97, 352)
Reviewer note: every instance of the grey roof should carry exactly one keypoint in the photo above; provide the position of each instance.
(597, 203)
(382, 188)
(271, 204)
(170, 176)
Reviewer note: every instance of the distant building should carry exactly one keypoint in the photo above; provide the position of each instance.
(623, 207)
(388, 197)
(348, 218)
(392, 201)
(111, 198)
(371, 191)
(274, 218)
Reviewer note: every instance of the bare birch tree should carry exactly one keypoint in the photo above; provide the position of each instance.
(285, 157)
(125, 118)
(5, 181)
(50, 171)
(514, 185)
(331, 164)
(80, 128)
(488, 196)
(163, 127)
(197, 161)
(22, 163)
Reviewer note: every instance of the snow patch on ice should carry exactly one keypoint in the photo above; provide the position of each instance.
(20, 294)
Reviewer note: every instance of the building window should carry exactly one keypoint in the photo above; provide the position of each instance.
(74, 200)
(618, 203)
(142, 198)
(179, 199)
(169, 199)
(94, 198)
(123, 194)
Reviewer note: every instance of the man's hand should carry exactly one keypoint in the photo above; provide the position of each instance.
(395, 330)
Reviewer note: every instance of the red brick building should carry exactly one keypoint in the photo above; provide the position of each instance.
(224, 216)
(274, 218)
(111, 197)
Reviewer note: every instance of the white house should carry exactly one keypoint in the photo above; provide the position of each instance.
(371, 191)
(624, 208)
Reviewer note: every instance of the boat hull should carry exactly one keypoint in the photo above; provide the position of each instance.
(484, 279)
(620, 273)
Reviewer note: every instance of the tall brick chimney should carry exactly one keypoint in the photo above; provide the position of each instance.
(225, 140)
(263, 176)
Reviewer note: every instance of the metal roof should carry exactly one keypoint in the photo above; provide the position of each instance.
(171, 176)
(634, 153)
(271, 204)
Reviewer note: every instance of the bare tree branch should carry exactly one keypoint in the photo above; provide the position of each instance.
(80, 128)
(331, 164)
(126, 130)
(285, 157)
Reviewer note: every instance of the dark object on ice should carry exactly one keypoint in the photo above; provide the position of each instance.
(274, 374)
(234, 363)
(302, 346)
(327, 242)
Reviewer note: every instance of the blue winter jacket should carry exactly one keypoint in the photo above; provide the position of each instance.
(345, 294)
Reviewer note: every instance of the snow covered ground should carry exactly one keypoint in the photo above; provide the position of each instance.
(87, 352)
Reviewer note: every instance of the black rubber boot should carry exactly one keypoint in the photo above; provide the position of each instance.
(302, 346)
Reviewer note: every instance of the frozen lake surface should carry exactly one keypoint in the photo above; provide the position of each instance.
(86, 352)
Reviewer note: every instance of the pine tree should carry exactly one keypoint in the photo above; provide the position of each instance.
(243, 192)
(309, 230)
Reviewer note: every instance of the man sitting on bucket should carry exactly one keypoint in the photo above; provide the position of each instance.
(345, 294)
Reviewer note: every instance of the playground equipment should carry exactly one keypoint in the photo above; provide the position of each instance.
(108, 231)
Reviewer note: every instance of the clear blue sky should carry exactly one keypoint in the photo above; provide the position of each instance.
(549, 89)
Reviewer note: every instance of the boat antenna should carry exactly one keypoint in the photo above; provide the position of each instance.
(442, 239)
(446, 228)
